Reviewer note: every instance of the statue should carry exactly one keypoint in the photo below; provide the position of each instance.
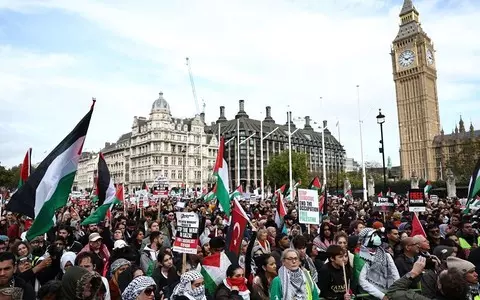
(414, 180)
(389, 163)
(347, 187)
(451, 187)
(371, 187)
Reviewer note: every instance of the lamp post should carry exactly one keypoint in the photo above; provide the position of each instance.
(262, 138)
(184, 152)
(290, 133)
(360, 123)
(380, 121)
(238, 148)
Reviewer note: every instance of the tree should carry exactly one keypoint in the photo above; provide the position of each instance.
(277, 172)
(7, 177)
(463, 161)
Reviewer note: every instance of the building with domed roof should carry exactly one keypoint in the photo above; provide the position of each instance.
(160, 148)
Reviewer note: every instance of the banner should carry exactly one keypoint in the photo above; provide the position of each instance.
(308, 207)
(383, 204)
(186, 239)
(416, 200)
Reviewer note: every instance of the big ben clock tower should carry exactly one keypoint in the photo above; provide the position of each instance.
(415, 77)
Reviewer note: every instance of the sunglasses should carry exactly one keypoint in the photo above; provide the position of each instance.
(149, 291)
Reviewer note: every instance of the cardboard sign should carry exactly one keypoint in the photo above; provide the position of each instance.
(383, 204)
(308, 210)
(186, 238)
(416, 200)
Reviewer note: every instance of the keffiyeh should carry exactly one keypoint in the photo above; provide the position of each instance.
(184, 287)
(117, 264)
(137, 286)
(293, 283)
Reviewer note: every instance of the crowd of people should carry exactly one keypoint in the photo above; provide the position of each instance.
(353, 253)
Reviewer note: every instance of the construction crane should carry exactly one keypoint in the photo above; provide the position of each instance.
(192, 83)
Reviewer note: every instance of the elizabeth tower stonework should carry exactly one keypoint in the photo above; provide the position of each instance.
(415, 76)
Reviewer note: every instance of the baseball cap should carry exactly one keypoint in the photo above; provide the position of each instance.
(94, 237)
(119, 244)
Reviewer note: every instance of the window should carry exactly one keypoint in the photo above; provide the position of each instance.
(165, 160)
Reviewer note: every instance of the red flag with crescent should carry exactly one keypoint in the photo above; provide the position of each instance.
(237, 228)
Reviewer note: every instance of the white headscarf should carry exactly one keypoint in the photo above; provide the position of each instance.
(184, 287)
(67, 257)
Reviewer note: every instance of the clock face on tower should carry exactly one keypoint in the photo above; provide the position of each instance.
(406, 58)
(429, 57)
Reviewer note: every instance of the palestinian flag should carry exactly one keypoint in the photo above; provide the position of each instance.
(473, 187)
(427, 188)
(214, 268)
(25, 168)
(221, 173)
(238, 193)
(281, 209)
(417, 228)
(210, 196)
(107, 195)
(289, 192)
(315, 184)
(144, 186)
(48, 188)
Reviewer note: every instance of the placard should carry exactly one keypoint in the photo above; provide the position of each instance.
(186, 238)
(308, 207)
(383, 204)
(416, 200)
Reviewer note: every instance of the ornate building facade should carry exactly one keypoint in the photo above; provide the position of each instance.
(86, 172)
(415, 77)
(170, 148)
(305, 140)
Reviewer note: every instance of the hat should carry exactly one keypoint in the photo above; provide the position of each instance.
(119, 244)
(94, 237)
(217, 243)
(377, 225)
(461, 265)
(3, 238)
(442, 252)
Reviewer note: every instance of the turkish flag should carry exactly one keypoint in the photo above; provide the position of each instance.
(237, 228)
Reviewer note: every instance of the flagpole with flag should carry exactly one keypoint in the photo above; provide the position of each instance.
(25, 168)
(221, 173)
(49, 187)
(107, 194)
(473, 187)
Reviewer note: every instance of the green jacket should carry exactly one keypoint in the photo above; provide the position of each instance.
(400, 291)
(276, 291)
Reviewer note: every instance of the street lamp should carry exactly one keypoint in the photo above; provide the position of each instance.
(262, 176)
(184, 152)
(380, 121)
(290, 172)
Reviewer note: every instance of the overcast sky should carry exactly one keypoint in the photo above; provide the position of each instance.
(55, 55)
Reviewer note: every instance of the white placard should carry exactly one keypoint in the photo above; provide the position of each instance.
(308, 209)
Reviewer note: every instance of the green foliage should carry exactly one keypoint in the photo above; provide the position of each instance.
(277, 172)
(9, 177)
(464, 160)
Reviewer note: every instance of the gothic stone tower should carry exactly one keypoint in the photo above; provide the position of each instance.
(415, 77)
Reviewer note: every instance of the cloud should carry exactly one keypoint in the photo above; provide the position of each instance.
(277, 53)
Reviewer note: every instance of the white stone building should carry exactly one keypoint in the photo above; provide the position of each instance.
(86, 172)
(173, 148)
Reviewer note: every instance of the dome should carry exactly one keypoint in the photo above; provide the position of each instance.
(161, 103)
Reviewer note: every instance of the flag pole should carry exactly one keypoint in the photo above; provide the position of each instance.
(360, 122)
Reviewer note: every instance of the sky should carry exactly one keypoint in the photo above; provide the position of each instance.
(55, 55)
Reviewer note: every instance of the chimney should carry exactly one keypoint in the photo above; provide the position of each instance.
(307, 123)
(202, 117)
(268, 115)
(222, 115)
(241, 110)
(324, 123)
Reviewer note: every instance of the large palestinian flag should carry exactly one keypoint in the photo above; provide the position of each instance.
(214, 268)
(221, 173)
(107, 194)
(473, 187)
(48, 188)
